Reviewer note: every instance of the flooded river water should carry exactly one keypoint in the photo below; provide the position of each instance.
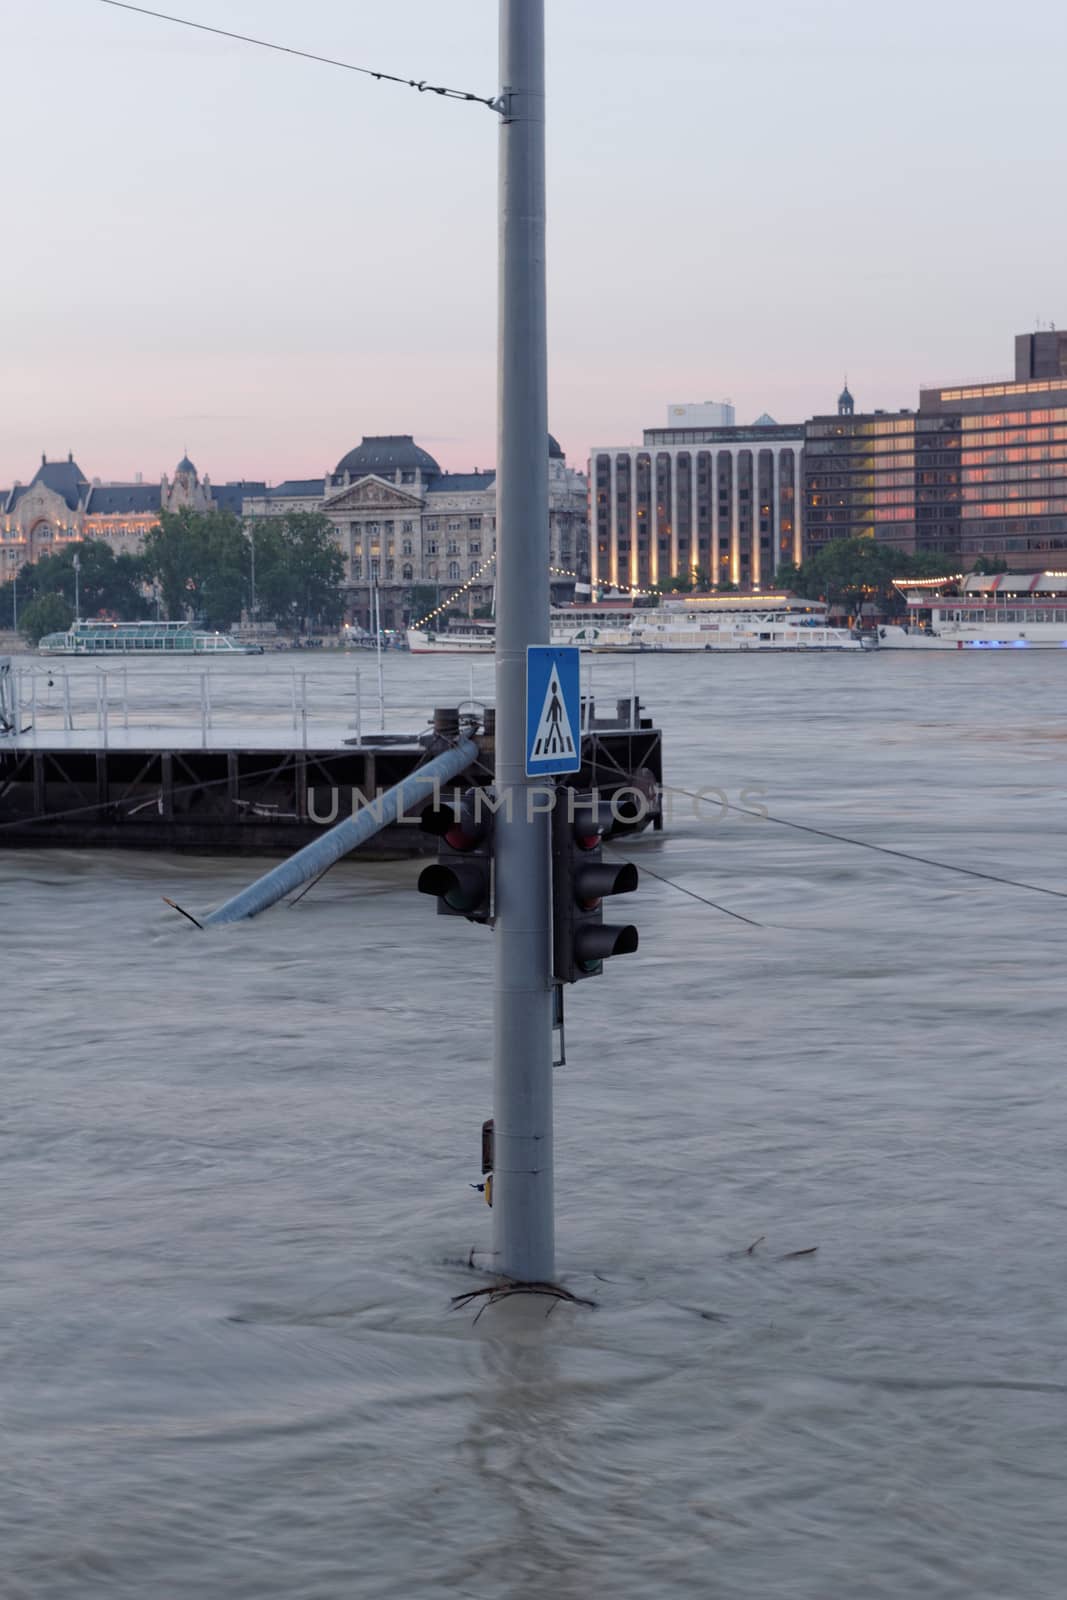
(236, 1206)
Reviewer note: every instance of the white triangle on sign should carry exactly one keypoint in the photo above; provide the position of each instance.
(554, 735)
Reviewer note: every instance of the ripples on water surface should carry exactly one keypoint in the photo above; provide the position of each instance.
(235, 1169)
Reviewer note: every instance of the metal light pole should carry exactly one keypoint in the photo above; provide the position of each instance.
(523, 1212)
(77, 601)
(15, 602)
(377, 615)
(252, 542)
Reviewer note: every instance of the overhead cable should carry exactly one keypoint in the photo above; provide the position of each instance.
(420, 84)
(884, 849)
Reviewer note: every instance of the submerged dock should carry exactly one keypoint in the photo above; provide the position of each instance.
(96, 772)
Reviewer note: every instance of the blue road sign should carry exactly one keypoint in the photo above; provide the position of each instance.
(553, 710)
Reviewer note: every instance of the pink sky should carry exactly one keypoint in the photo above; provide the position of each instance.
(215, 249)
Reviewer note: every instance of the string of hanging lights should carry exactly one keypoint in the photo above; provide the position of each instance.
(454, 596)
(557, 572)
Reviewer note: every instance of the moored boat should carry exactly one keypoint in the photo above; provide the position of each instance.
(603, 627)
(740, 622)
(719, 622)
(473, 638)
(1007, 610)
(142, 638)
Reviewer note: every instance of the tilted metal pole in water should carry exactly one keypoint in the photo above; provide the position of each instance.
(523, 1210)
(378, 647)
(322, 853)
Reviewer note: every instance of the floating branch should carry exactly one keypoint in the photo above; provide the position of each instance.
(506, 1289)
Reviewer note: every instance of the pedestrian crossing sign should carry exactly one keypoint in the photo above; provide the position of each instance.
(553, 710)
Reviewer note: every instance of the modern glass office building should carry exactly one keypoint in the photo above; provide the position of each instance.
(977, 469)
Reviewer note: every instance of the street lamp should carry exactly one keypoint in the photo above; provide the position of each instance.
(77, 599)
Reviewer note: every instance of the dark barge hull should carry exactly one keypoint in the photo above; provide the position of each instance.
(253, 802)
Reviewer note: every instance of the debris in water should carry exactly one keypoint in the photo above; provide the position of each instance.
(504, 1291)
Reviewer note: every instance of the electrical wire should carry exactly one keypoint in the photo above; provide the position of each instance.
(307, 55)
(880, 849)
(714, 904)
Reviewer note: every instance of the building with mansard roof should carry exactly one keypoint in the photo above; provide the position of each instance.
(60, 506)
(401, 521)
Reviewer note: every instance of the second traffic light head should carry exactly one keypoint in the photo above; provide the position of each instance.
(461, 879)
(595, 880)
(461, 885)
(581, 881)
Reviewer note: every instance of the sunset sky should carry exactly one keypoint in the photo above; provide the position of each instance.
(258, 259)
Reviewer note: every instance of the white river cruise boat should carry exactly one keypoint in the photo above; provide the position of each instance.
(604, 627)
(1010, 610)
(735, 622)
(142, 638)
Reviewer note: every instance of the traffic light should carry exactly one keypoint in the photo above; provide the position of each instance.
(581, 881)
(462, 876)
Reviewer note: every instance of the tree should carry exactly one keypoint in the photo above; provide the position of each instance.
(855, 571)
(680, 583)
(106, 582)
(202, 562)
(49, 613)
(299, 569)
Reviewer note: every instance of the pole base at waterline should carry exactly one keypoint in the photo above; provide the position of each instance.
(506, 1288)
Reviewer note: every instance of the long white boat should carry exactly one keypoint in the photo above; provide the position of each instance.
(604, 627)
(739, 622)
(1010, 610)
(142, 638)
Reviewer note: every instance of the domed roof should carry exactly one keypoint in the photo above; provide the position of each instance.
(185, 465)
(555, 451)
(386, 454)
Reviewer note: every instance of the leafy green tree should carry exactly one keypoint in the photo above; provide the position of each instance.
(856, 571)
(106, 582)
(49, 613)
(989, 566)
(202, 563)
(299, 569)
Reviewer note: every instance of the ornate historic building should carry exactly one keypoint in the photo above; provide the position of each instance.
(60, 505)
(400, 522)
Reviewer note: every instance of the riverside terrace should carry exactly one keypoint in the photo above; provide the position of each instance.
(87, 758)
